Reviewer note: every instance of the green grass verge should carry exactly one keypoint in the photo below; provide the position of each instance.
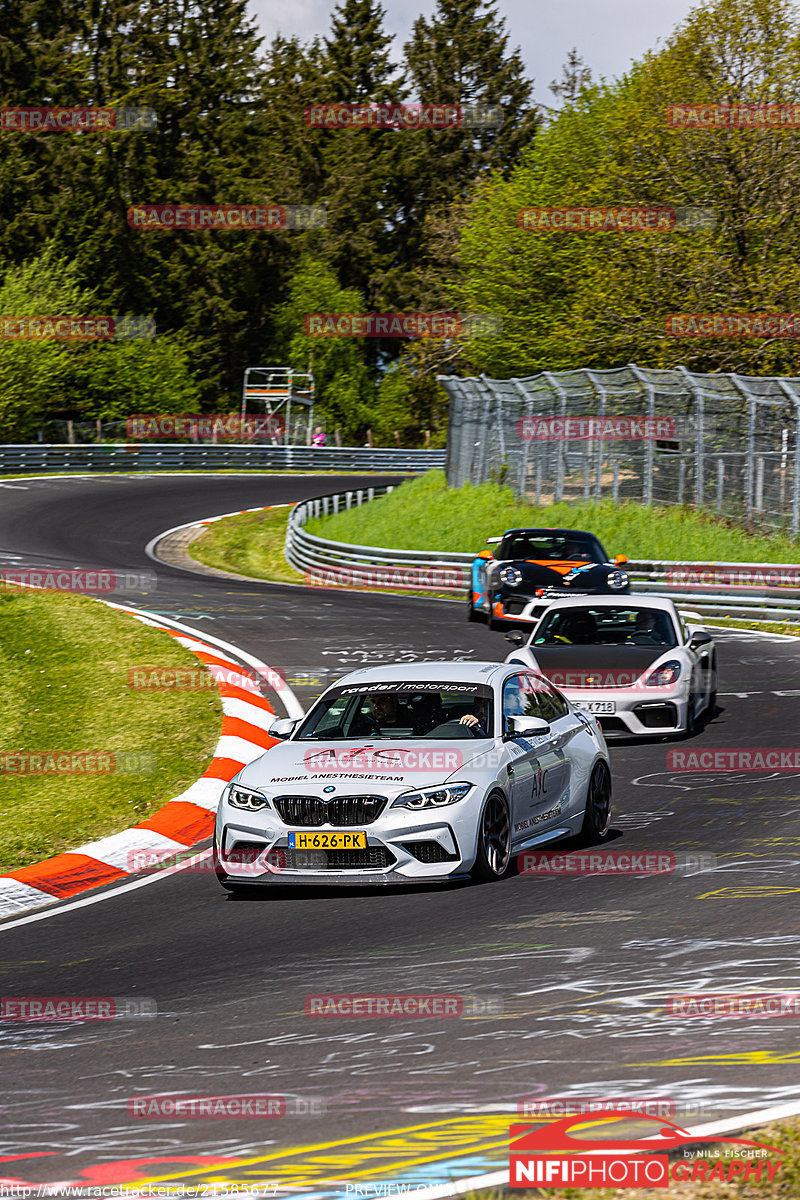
(64, 662)
(248, 544)
(252, 544)
(424, 514)
(785, 1184)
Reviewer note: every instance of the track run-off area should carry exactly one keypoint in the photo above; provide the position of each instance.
(578, 968)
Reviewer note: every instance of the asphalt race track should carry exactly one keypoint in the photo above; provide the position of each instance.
(582, 965)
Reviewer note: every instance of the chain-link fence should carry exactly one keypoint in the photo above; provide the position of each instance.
(728, 443)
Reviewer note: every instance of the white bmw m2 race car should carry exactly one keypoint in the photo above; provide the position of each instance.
(413, 772)
(632, 661)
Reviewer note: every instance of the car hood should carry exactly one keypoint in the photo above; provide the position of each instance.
(391, 767)
(565, 574)
(597, 666)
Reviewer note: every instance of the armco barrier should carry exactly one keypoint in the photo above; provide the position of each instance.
(180, 456)
(417, 570)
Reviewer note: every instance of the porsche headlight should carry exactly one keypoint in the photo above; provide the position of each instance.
(665, 675)
(246, 798)
(617, 580)
(433, 797)
(511, 576)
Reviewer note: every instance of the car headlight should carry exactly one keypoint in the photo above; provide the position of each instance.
(665, 675)
(617, 579)
(433, 797)
(511, 576)
(246, 798)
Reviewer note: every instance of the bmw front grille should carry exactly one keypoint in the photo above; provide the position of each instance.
(311, 811)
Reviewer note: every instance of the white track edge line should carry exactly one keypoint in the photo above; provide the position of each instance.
(289, 701)
(107, 895)
(287, 697)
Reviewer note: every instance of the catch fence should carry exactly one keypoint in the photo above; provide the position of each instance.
(727, 443)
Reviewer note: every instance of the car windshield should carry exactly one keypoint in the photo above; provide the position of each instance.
(402, 710)
(610, 625)
(543, 546)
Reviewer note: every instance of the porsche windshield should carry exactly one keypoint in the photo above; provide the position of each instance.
(542, 546)
(402, 710)
(605, 626)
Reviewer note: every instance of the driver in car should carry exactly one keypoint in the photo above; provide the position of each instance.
(648, 627)
(386, 711)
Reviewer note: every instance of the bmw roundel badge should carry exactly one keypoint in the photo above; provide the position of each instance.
(329, 789)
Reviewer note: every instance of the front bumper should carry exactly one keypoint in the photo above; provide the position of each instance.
(403, 846)
(520, 607)
(649, 713)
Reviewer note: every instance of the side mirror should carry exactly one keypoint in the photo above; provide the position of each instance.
(284, 728)
(524, 726)
(619, 559)
(515, 636)
(700, 638)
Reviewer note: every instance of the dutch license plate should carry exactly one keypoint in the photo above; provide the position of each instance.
(601, 707)
(353, 840)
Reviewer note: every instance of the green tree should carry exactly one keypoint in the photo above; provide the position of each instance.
(459, 55)
(363, 167)
(575, 77)
(106, 380)
(601, 299)
(343, 382)
(32, 373)
(114, 380)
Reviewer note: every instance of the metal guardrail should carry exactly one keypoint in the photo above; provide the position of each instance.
(341, 564)
(160, 456)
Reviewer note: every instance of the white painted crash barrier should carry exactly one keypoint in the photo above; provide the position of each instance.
(760, 590)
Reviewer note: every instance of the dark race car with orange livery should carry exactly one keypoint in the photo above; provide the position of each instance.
(532, 567)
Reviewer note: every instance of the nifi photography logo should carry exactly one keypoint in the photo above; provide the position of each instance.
(582, 1151)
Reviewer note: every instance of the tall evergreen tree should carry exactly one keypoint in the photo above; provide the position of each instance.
(358, 64)
(575, 77)
(461, 54)
(362, 166)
